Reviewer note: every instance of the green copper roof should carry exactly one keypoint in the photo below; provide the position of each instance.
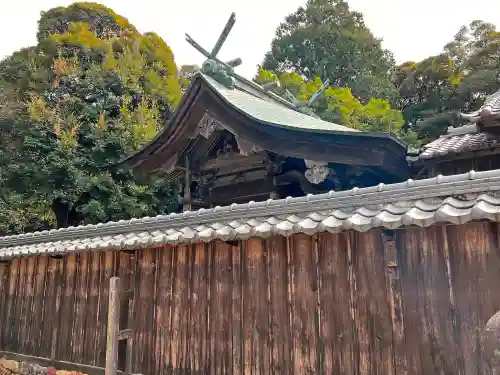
(259, 104)
(276, 117)
(268, 108)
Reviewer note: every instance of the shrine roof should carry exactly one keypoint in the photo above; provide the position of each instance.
(459, 140)
(268, 122)
(253, 101)
(268, 112)
(257, 116)
(490, 110)
(452, 199)
(479, 134)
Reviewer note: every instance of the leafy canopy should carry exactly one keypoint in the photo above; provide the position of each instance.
(340, 106)
(91, 92)
(433, 91)
(328, 40)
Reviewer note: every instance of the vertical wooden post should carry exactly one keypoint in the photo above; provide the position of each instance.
(113, 327)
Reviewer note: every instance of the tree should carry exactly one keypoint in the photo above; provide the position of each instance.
(328, 40)
(433, 91)
(339, 105)
(92, 91)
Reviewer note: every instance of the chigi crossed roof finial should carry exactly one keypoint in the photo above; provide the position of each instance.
(223, 72)
(213, 66)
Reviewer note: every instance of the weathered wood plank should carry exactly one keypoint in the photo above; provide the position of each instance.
(280, 345)
(351, 277)
(91, 318)
(68, 309)
(81, 293)
(304, 305)
(256, 357)
(11, 292)
(126, 271)
(334, 303)
(145, 309)
(155, 298)
(210, 322)
(197, 309)
(475, 284)
(179, 307)
(163, 308)
(59, 290)
(392, 263)
(124, 267)
(48, 308)
(445, 307)
(237, 336)
(106, 272)
(140, 299)
(28, 343)
(413, 303)
(4, 298)
(221, 297)
(42, 294)
(372, 314)
(113, 332)
(337, 323)
(263, 310)
(153, 301)
(21, 311)
(131, 346)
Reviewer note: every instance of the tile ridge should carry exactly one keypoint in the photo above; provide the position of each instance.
(440, 186)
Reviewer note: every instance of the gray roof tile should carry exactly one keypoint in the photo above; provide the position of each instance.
(456, 199)
(489, 110)
(456, 142)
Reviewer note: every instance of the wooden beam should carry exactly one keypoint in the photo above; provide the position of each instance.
(451, 157)
(234, 162)
(297, 143)
(113, 327)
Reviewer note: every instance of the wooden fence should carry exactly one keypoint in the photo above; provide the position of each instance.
(409, 302)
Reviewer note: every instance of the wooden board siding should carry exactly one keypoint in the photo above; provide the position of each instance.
(413, 301)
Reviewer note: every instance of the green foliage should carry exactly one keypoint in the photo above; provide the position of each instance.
(433, 91)
(328, 40)
(91, 92)
(340, 106)
(101, 20)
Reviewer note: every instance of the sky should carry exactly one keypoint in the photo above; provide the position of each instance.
(412, 30)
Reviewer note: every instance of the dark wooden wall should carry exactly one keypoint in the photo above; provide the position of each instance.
(473, 161)
(353, 303)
